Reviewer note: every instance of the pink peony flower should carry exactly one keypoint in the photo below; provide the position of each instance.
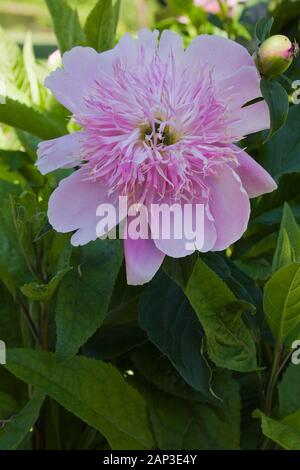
(159, 123)
(213, 6)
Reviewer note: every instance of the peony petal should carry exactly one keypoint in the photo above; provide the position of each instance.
(183, 246)
(143, 260)
(238, 90)
(241, 87)
(81, 66)
(253, 118)
(229, 205)
(133, 52)
(224, 56)
(73, 206)
(255, 179)
(171, 45)
(63, 152)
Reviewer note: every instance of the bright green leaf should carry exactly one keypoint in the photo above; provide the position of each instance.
(288, 244)
(12, 69)
(282, 301)
(32, 120)
(101, 24)
(286, 432)
(66, 24)
(30, 67)
(43, 292)
(230, 342)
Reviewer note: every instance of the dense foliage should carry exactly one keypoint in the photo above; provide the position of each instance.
(200, 358)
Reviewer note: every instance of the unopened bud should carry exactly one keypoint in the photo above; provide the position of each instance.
(275, 55)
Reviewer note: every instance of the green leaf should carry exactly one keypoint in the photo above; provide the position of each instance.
(281, 153)
(84, 295)
(289, 391)
(180, 270)
(30, 67)
(12, 69)
(23, 209)
(13, 270)
(10, 331)
(101, 25)
(32, 120)
(282, 301)
(278, 103)
(263, 29)
(16, 430)
(284, 11)
(157, 369)
(286, 432)
(187, 425)
(170, 323)
(288, 244)
(43, 292)
(29, 142)
(94, 391)
(66, 24)
(230, 343)
(8, 406)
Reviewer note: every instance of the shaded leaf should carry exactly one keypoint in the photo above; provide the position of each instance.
(16, 430)
(171, 324)
(289, 390)
(183, 425)
(94, 391)
(278, 103)
(263, 28)
(84, 294)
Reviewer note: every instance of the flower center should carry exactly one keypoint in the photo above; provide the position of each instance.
(159, 134)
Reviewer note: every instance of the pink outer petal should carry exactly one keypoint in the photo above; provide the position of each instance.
(178, 248)
(81, 66)
(133, 52)
(223, 56)
(73, 206)
(171, 46)
(143, 260)
(229, 205)
(63, 152)
(253, 119)
(255, 179)
(241, 87)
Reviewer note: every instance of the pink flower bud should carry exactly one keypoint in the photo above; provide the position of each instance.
(275, 55)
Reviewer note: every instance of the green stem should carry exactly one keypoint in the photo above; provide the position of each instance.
(276, 368)
(30, 322)
(273, 378)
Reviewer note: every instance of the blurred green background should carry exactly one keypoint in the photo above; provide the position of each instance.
(20, 16)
